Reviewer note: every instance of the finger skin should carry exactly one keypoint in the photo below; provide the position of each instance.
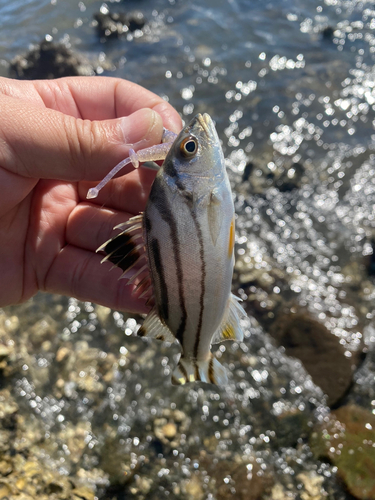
(77, 128)
(47, 144)
(78, 273)
(91, 98)
(89, 226)
(53, 134)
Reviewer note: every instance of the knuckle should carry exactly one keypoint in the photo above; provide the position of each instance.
(83, 143)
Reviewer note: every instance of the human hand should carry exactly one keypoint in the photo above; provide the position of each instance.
(55, 137)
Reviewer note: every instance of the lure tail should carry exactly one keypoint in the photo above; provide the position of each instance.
(191, 370)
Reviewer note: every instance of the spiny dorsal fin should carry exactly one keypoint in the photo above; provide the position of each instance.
(230, 328)
(154, 328)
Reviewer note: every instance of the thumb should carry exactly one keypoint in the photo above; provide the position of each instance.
(39, 142)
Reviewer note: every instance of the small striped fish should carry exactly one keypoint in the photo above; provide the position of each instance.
(188, 232)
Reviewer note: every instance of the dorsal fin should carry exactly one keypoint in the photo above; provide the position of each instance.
(230, 328)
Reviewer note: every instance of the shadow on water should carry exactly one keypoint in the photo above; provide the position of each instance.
(86, 409)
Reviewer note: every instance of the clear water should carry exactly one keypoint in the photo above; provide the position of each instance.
(281, 94)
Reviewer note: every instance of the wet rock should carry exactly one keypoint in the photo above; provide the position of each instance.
(347, 440)
(114, 24)
(328, 32)
(83, 493)
(279, 173)
(237, 479)
(293, 425)
(43, 330)
(318, 349)
(103, 314)
(49, 60)
(8, 410)
(118, 464)
(291, 178)
(370, 260)
(170, 426)
(247, 171)
(261, 281)
(84, 368)
(312, 486)
(76, 438)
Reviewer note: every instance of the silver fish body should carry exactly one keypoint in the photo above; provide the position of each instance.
(188, 230)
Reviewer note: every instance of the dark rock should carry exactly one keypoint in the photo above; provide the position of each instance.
(327, 33)
(318, 349)
(49, 60)
(136, 21)
(114, 24)
(247, 171)
(111, 25)
(244, 480)
(284, 176)
(370, 261)
(291, 178)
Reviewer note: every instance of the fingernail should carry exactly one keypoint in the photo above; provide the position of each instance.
(171, 119)
(141, 125)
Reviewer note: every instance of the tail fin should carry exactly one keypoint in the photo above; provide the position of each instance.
(209, 371)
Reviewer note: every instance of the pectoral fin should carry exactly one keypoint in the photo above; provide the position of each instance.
(230, 328)
(215, 216)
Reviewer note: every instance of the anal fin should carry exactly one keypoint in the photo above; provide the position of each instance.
(154, 328)
(210, 371)
(230, 328)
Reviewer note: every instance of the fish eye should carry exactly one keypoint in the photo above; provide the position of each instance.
(189, 147)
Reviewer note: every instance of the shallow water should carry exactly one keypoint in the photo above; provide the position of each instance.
(298, 105)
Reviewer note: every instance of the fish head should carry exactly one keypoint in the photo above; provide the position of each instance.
(196, 152)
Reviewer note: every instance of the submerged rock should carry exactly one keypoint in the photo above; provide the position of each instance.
(347, 439)
(115, 24)
(284, 176)
(319, 350)
(327, 33)
(49, 60)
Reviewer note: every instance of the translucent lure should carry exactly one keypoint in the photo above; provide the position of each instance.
(153, 153)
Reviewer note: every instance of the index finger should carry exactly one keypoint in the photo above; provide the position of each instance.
(108, 98)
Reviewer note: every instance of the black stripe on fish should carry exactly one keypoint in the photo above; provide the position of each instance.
(170, 170)
(122, 251)
(211, 373)
(202, 283)
(161, 204)
(147, 223)
(156, 256)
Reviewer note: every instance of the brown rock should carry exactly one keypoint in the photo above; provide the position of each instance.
(318, 349)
